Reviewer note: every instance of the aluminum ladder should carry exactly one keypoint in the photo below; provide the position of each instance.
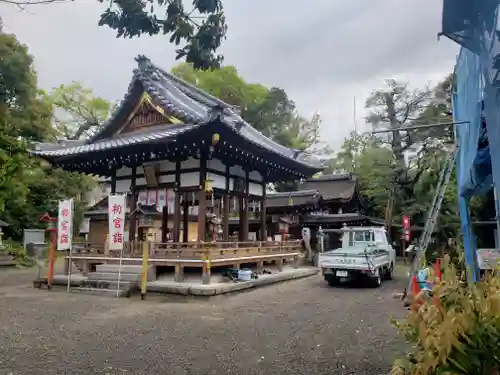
(432, 214)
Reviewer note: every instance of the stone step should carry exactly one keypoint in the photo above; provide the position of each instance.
(123, 276)
(6, 257)
(109, 284)
(102, 292)
(125, 268)
(7, 263)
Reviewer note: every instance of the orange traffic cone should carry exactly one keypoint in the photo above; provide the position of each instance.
(415, 291)
(438, 269)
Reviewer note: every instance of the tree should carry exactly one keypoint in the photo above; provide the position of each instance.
(78, 112)
(26, 188)
(372, 162)
(394, 107)
(23, 115)
(438, 110)
(199, 30)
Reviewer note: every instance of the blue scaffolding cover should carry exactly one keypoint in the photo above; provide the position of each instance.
(467, 107)
(475, 26)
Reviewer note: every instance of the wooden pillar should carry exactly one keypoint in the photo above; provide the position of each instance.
(225, 217)
(177, 217)
(202, 199)
(113, 182)
(164, 223)
(241, 224)
(185, 219)
(133, 203)
(177, 203)
(244, 210)
(263, 214)
(226, 203)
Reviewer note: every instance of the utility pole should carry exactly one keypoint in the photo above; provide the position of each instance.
(354, 115)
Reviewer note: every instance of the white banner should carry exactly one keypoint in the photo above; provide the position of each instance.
(116, 217)
(85, 226)
(151, 197)
(65, 224)
(162, 199)
(143, 198)
(170, 201)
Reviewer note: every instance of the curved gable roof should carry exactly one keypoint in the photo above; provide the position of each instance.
(192, 106)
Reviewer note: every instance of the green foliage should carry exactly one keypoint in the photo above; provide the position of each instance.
(268, 110)
(24, 115)
(201, 29)
(17, 250)
(28, 188)
(455, 333)
(78, 112)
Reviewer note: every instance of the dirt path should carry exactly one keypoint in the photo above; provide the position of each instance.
(298, 327)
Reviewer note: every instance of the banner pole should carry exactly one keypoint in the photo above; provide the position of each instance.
(119, 273)
(70, 262)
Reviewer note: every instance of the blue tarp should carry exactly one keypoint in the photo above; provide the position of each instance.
(475, 25)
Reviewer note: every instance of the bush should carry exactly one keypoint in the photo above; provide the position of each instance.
(19, 253)
(455, 332)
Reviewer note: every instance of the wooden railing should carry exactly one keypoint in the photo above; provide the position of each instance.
(191, 250)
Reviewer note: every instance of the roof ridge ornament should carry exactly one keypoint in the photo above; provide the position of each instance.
(215, 113)
(144, 63)
(239, 124)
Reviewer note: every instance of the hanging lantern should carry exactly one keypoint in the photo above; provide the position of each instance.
(215, 139)
(208, 186)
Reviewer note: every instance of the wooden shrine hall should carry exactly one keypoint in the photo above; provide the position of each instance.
(169, 136)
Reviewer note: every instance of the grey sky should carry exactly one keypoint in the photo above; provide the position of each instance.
(322, 52)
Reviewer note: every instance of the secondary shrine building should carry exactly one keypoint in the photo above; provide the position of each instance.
(177, 152)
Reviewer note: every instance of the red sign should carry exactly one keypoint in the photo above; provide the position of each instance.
(406, 228)
(406, 222)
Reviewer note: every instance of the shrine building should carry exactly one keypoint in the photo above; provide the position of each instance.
(177, 152)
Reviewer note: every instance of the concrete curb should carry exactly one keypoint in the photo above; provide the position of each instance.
(216, 289)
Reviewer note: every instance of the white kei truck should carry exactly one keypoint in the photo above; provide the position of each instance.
(366, 253)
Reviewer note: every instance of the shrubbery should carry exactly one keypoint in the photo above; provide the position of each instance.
(457, 331)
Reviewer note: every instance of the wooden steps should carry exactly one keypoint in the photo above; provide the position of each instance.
(105, 280)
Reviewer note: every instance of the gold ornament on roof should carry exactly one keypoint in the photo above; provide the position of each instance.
(215, 139)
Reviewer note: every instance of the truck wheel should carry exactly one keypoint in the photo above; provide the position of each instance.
(389, 272)
(332, 280)
(377, 279)
(389, 275)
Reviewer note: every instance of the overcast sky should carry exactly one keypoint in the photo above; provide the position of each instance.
(322, 52)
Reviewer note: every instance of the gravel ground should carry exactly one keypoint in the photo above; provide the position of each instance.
(298, 327)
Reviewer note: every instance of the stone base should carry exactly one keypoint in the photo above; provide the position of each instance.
(168, 286)
(199, 289)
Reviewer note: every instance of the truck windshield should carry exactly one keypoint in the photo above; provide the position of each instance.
(359, 236)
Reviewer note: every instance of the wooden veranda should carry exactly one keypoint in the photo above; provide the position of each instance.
(182, 255)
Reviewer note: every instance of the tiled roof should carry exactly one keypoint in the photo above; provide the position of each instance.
(185, 102)
(159, 133)
(299, 197)
(334, 186)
